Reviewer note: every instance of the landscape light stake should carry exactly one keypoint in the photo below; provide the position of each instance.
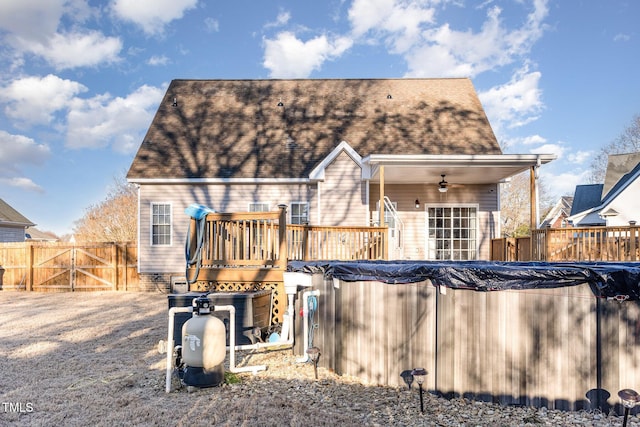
(407, 377)
(629, 399)
(419, 374)
(314, 355)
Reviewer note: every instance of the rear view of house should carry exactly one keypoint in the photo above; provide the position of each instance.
(420, 153)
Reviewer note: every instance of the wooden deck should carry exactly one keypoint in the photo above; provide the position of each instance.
(571, 244)
(250, 251)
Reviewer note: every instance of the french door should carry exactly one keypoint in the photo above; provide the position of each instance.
(452, 232)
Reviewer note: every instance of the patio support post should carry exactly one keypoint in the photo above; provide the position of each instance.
(381, 213)
(632, 240)
(532, 205)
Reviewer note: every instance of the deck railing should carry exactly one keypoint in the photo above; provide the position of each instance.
(572, 244)
(309, 242)
(255, 246)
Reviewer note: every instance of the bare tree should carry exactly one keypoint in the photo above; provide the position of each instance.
(515, 204)
(112, 220)
(627, 142)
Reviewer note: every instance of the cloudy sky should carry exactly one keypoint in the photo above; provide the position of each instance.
(80, 80)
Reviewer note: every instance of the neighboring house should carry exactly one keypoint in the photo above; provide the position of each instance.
(12, 224)
(331, 150)
(614, 203)
(557, 216)
(35, 235)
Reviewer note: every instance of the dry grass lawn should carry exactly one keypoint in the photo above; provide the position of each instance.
(78, 359)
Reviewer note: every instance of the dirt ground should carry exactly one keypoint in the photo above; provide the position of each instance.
(78, 359)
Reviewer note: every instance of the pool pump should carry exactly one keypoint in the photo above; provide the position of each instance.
(203, 348)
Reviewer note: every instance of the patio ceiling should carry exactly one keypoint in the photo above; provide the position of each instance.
(458, 169)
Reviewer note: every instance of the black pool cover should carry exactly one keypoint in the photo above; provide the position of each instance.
(607, 280)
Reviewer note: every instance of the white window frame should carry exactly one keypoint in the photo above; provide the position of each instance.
(152, 224)
(430, 253)
(263, 204)
(291, 216)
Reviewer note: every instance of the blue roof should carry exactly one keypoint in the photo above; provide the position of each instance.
(586, 197)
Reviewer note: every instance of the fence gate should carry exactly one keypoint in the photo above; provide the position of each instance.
(72, 268)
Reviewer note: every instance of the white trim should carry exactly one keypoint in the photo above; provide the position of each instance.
(486, 160)
(317, 174)
(219, 180)
(151, 204)
(258, 203)
(427, 206)
(299, 203)
(319, 185)
(602, 206)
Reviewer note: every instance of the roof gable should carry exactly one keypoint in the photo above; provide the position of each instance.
(586, 197)
(10, 216)
(285, 128)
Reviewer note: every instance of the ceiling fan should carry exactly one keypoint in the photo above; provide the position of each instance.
(443, 185)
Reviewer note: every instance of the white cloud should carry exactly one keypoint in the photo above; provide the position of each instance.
(152, 15)
(398, 22)
(580, 156)
(34, 100)
(565, 183)
(446, 52)
(515, 103)
(76, 49)
(620, 37)
(286, 56)
(533, 139)
(212, 25)
(557, 149)
(22, 183)
(34, 26)
(119, 122)
(281, 20)
(31, 19)
(158, 60)
(19, 150)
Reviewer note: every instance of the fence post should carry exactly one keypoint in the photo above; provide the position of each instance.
(114, 259)
(29, 283)
(282, 231)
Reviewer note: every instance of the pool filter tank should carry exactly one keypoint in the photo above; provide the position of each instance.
(203, 346)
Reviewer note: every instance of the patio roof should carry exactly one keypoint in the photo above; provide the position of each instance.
(458, 168)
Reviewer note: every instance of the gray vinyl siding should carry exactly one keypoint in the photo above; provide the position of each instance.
(484, 196)
(12, 234)
(343, 194)
(221, 198)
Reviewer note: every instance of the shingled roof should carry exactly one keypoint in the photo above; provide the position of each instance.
(10, 216)
(284, 128)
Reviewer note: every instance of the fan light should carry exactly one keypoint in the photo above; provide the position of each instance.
(442, 185)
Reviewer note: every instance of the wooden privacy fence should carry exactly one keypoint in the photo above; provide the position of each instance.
(57, 267)
(511, 249)
(558, 348)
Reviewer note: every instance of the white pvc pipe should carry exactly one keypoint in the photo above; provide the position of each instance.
(170, 343)
(305, 321)
(286, 339)
(232, 342)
